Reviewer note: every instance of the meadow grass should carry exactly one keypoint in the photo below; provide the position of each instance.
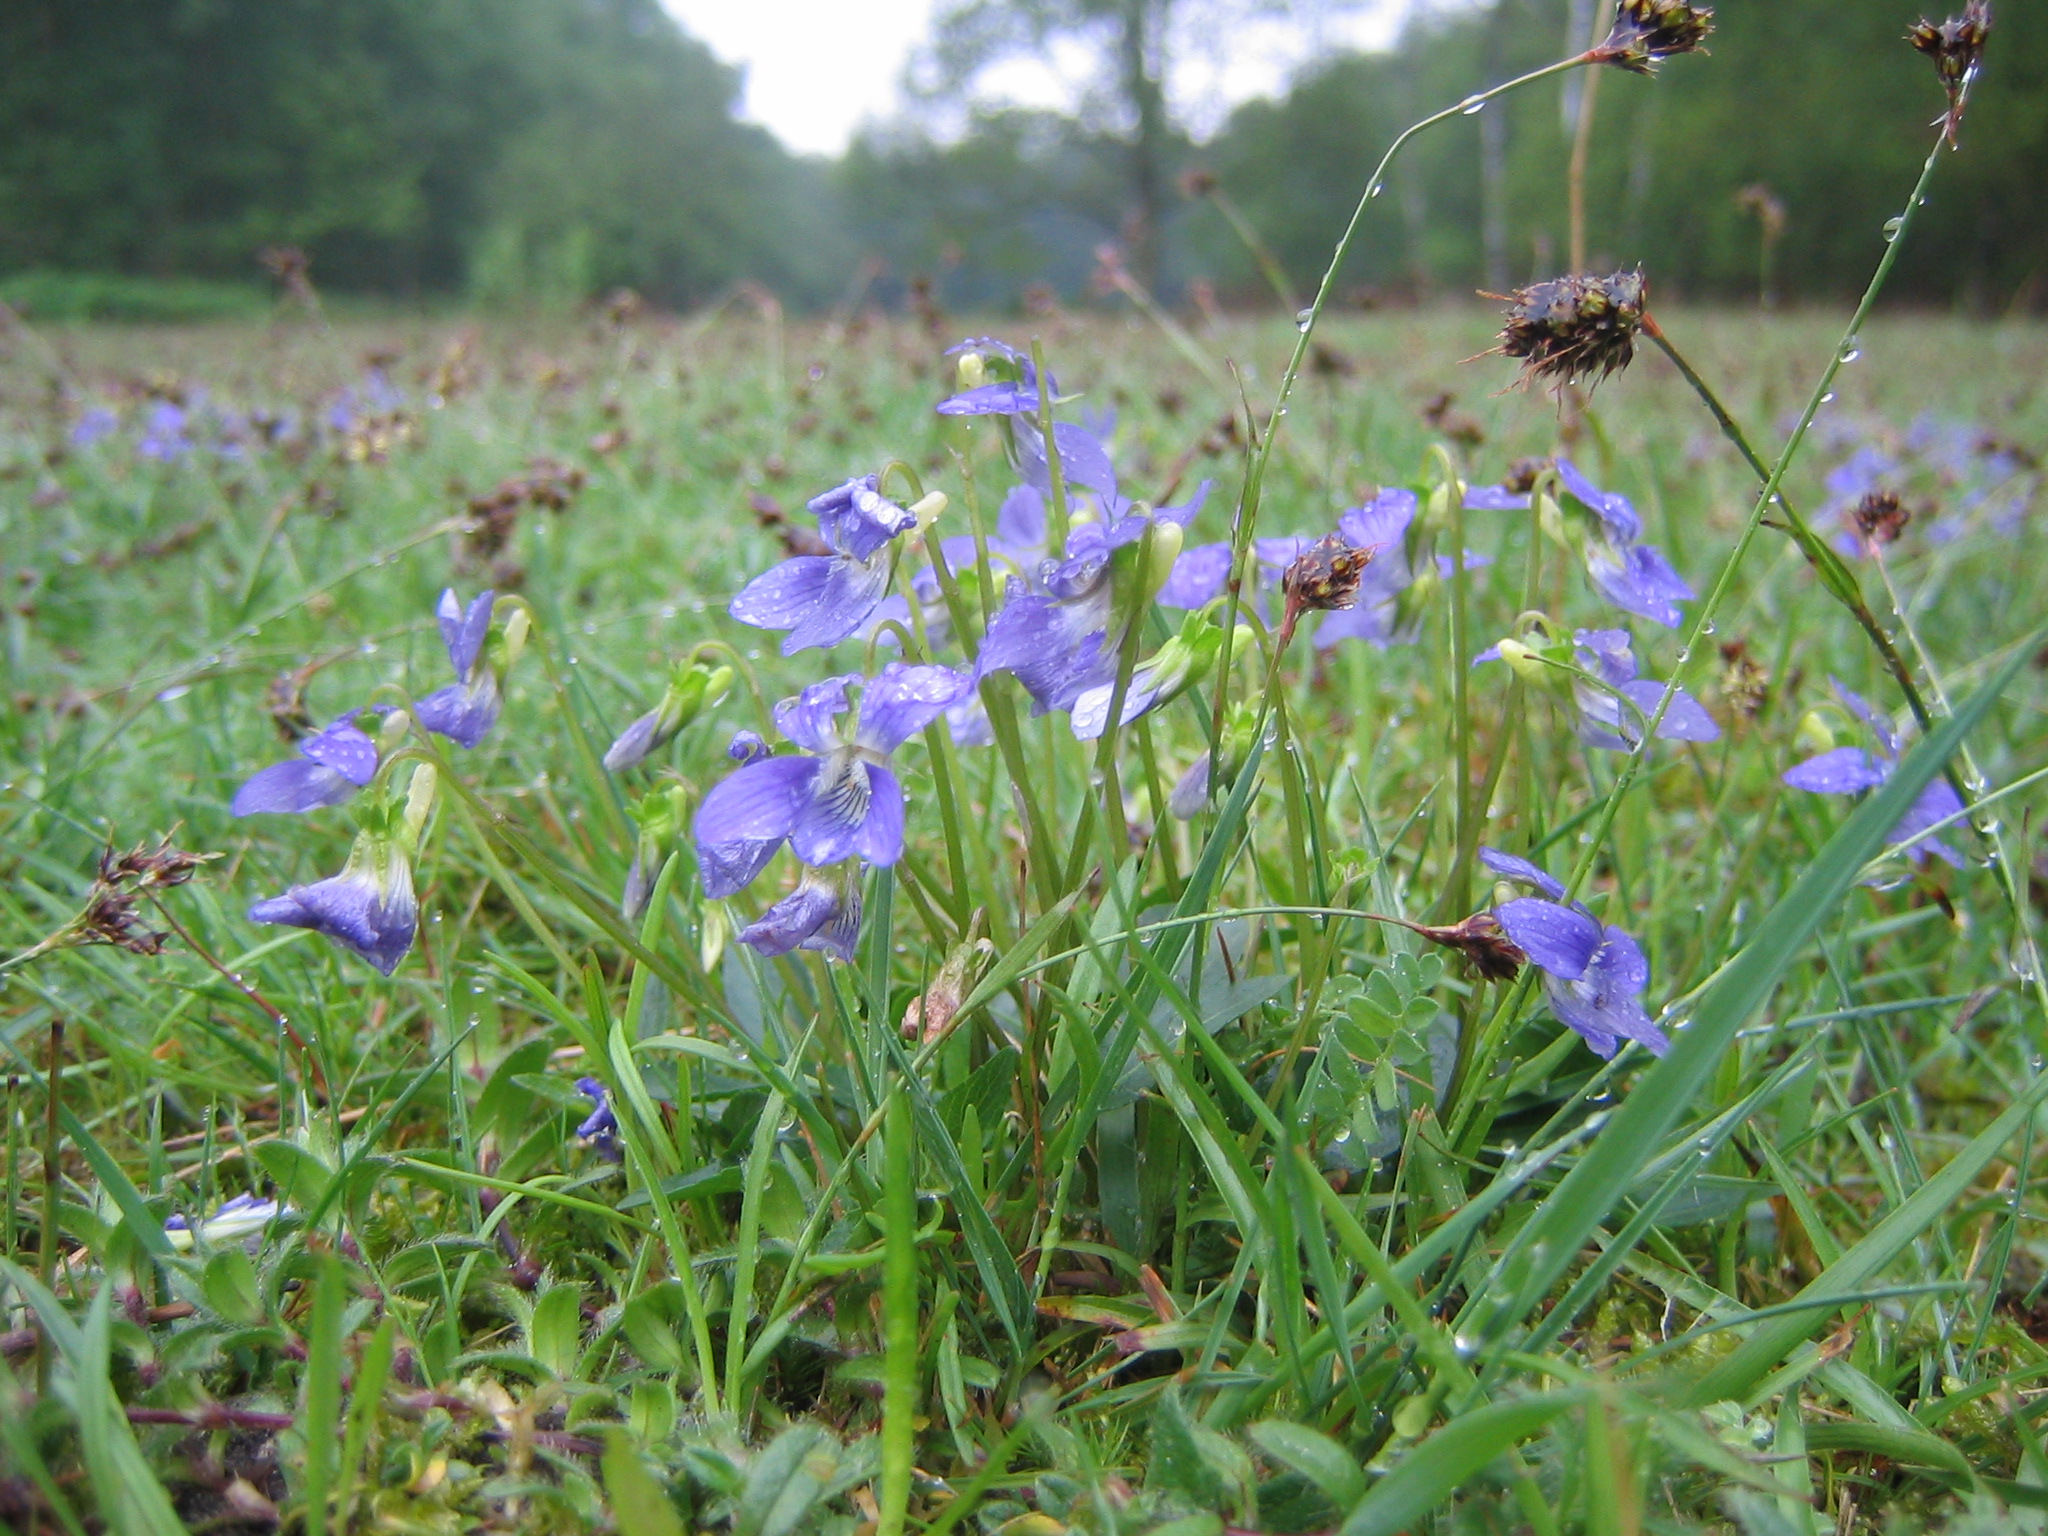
(1122, 1181)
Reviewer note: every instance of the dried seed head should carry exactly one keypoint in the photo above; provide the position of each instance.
(1480, 940)
(148, 869)
(1325, 575)
(1522, 475)
(1957, 48)
(110, 918)
(1745, 685)
(1880, 518)
(1441, 412)
(1648, 30)
(1766, 206)
(1575, 327)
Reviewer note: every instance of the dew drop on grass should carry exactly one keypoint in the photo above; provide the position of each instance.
(1892, 228)
(1852, 351)
(1303, 319)
(1472, 104)
(1375, 189)
(1828, 398)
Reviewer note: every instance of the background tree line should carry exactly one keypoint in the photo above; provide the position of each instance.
(518, 150)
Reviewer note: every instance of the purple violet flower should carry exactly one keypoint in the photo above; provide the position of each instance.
(1594, 974)
(241, 1217)
(1605, 720)
(821, 599)
(1055, 637)
(838, 800)
(1381, 525)
(1084, 461)
(1851, 770)
(164, 435)
(822, 913)
(94, 423)
(332, 765)
(466, 709)
(369, 907)
(1014, 396)
(601, 1127)
(1635, 577)
(1495, 498)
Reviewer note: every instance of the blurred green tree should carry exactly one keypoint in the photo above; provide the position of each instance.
(518, 148)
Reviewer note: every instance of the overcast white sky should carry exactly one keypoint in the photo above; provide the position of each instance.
(817, 69)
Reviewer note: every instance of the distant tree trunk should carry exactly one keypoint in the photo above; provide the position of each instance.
(1141, 45)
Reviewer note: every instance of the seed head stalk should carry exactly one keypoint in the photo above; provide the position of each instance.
(1801, 530)
(1702, 622)
(1255, 474)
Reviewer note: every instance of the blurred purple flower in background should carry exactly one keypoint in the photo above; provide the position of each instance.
(1605, 720)
(1851, 770)
(1635, 577)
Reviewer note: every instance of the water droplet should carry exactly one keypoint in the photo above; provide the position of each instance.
(1707, 628)
(1892, 228)
(1465, 1347)
(1828, 398)
(1852, 351)
(1472, 104)
(1304, 318)
(1375, 189)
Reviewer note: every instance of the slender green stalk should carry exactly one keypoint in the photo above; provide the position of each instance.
(1246, 520)
(1768, 500)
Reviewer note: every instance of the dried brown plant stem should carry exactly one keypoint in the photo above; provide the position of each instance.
(270, 1009)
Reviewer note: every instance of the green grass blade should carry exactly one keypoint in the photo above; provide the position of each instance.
(1733, 1377)
(320, 1413)
(1438, 1466)
(899, 1313)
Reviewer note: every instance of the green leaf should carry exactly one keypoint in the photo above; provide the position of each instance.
(320, 1413)
(1315, 1456)
(1190, 1460)
(639, 1506)
(787, 1480)
(230, 1287)
(1914, 1447)
(899, 1312)
(555, 1336)
(649, 1321)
